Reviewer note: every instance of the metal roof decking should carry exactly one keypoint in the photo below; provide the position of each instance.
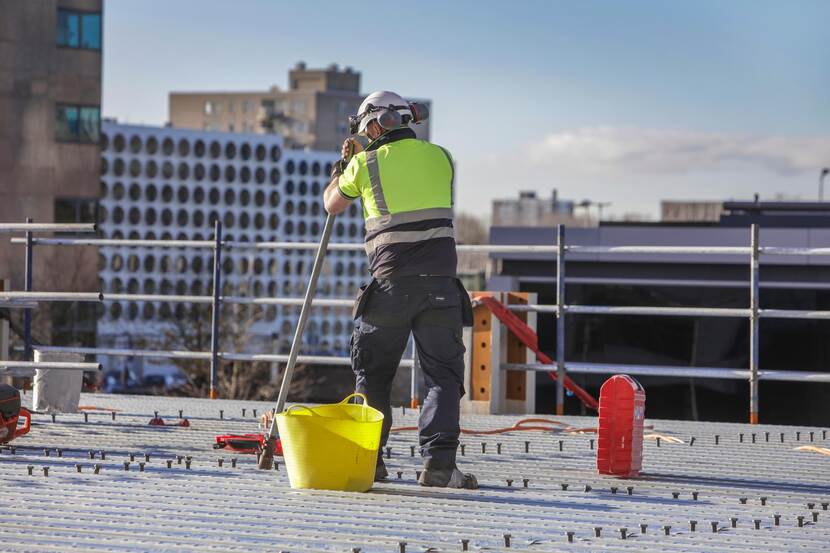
(213, 508)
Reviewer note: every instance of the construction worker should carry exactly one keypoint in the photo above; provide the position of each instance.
(405, 186)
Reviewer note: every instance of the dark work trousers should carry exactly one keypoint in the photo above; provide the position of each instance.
(430, 307)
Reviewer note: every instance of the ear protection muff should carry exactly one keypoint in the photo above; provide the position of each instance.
(391, 118)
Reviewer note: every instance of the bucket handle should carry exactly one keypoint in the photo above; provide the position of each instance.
(356, 394)
(310, 410)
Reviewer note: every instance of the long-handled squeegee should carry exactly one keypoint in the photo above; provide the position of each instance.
(266, 459)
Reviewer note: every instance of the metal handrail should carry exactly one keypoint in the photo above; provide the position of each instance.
(8, 364)
(47, 227)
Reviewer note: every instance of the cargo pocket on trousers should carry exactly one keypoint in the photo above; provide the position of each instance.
(384, 309)
(444, 310)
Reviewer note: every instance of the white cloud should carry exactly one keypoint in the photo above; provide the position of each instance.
(602, 150)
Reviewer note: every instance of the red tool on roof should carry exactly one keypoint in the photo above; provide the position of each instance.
(526, 336)
(10, 414)
(245, 443)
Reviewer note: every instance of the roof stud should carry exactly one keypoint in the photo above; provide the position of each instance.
(766, 436)
(630, 490)
(643, 528)
(734, 521)
(763, 500)
(417, 475)
(509, 483)
(141, 467)
(412, 450)
(113, 415)
(181, 413)
(714, 524)
(103, 455)
(694, 495)
(812, 436)
(498, 448)
(588, 488)
(463, 447)
(507, 540)
(77, 467)
(824, 506)
(623, 533)
(815, 516)
(126, 465)
(46, 453)
(598, 531)
(564, 487)
(91, 454)
(570, 536)
(483, 447)
(30, 468)
(757, 523)
(667, 529)
(658, 441)
(86, 416)
(276, 465)
(45, 471)
(254, 412)
(753, 437)
(465, 545)
(59, 452)
(777, 518)
(692, 525)
(800, 519)
(527, 447)
(717, 439)
(221, 462)
(400, 474)
(187, 464)
(811, 506)
(53, 417)
(170, 463)
(742, 500)
(179, 459)
(221, 414)
(97, 468)
(132, 457)
(403, 409)
(798, 436)
(782, 437)
(561, 444)
(525, 481)
(741, 438)
(402, 547)
(243, 411)
(824, 434)
(592, 444)
(146, 457)
(388, 452)
(233, 462)
(692, 441)
(675, 495)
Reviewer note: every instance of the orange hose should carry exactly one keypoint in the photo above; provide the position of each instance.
(520, 426)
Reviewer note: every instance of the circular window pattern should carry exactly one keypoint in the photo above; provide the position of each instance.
(315, 188)
(198, 218)
(167, 147)
(149, 286)
(215, 173)
(315, 168)
(303, 167)
(227, 266)
(148, 311)
(288, 228)
(134, 216)
(244, 197)
(259, 222)
(118, 167)
(183, 194)
(105, 141)
(118, 191)
(196, 265)
(215, 149)
(151, 192)
(230, 150)
(259, 198)
(276, 153)
(275, 176)
(301, 228)
(260, 152)
(245, 151)
(259, 175)
(244, 220)
(119, 143)
(135, 168)
(105, 166)
(150, 216)
(167, 193)
(274, 198)
(199, 172)
(184, 148)
(230, 196)
(149, 264)
(116, 262)
(315, 208)
(213, 196)
(289, 207)
(117, 216)
(135, 192)
(302, 208)
(315, 228)
(328, 168)
(228, 220)
(182, 217)
(115, 310)
(302, 188)
(132, 286)
(151, 169)
(152, 145)
(184, 171)
(289, 167)
(273, 221)
(230, 173)
(135, 144)
(199, 148)
(167, 170)
(245, 174)
(166, 217)
(289, 187)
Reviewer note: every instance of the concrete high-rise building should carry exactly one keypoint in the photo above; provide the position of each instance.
(163, 183)
(312, 113)
(50, 97)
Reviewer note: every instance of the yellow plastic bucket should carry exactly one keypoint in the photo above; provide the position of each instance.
(331, 447)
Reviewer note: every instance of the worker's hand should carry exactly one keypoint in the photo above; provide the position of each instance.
(350, 147)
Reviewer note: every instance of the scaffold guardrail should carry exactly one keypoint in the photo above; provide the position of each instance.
(561, 309)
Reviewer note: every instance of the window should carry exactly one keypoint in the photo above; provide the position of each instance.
(210, 108)
(78, 123)
(246, 105)
(76, 210)
(79, 29)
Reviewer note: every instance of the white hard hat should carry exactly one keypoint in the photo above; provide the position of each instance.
(379, 99)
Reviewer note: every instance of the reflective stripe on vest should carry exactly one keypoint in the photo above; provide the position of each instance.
(402, 236)
(374, 179)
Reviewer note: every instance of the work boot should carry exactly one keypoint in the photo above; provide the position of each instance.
(381, 473)
(448, 478)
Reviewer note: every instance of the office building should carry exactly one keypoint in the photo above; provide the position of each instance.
(165, 183)
(530, 210)
(50, 97)
(311, 113)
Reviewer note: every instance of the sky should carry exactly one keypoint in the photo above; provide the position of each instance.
(628, 102)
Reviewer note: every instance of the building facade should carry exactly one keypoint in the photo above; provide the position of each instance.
(530, 210)
(312, 113)
(50, 98)
(165, 183)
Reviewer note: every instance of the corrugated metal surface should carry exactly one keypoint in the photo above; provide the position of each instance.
(208, 508)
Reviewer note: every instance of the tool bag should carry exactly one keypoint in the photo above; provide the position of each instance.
(10, 413)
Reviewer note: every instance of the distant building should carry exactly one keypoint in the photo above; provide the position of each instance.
(163, 183)
(531, 211)
(672, 211)
(50, 97)
(312, 113)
